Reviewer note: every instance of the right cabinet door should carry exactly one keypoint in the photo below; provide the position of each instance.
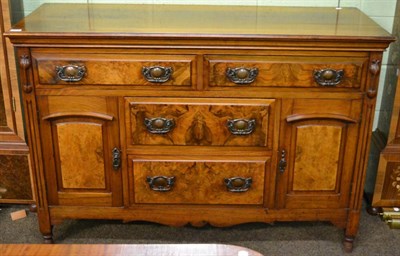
(318, 146)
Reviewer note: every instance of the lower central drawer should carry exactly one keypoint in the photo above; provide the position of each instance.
(197, 181)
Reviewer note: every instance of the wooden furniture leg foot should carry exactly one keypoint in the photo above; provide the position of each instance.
(348, 244)
(33, 208)
(48, 239)
(374, 211)
(48, 236)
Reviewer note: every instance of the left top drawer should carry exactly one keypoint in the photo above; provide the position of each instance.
(145, 70)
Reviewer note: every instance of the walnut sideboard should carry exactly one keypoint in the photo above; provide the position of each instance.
(199, 114)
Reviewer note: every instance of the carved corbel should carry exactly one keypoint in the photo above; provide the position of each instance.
(25, 63)
(374, 69)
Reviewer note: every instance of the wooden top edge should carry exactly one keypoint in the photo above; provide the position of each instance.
(199, 22)
(55, 35)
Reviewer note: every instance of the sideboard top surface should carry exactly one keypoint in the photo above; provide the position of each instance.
(200, 21)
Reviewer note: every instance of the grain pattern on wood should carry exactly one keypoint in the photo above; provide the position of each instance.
(15, 179)
(116, 69)
(317, 157)
(392, 181)
(387, 185)
(286, 71)
(3, 118)
(203, 123)
(77, 104)
(4, 84)
(85, 198)
(184, 20)
(78, 135)
(127, 250)
(80, 148)
(198, 182)
(321, 146)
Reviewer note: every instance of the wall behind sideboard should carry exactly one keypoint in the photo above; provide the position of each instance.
(381, 11)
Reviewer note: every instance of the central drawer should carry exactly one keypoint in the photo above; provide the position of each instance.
(225, 181)
(199, 122)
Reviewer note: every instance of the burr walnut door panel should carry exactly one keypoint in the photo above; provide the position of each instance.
(80, 138)
(15, 180)
(317, 151)
(200, 122)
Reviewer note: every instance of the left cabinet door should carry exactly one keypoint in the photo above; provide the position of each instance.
(81, 150)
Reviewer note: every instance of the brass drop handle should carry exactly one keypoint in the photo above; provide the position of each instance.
(241, 75)
(238, 184)
(161, 183)
(328, 77)
(157, 74)
(159, 125)
(71, 73)
(241, 126)
(282, 163)
(116, 158)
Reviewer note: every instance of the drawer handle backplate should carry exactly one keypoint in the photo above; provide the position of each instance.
(159, 125)
(71, 73)
(328, 77)
(157, 74)
(241, 75)
(238, 184)
(241, 126)
(116, 158)
(283, 162)
(161, 183)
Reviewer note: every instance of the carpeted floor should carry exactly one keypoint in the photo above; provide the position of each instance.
(292, 238)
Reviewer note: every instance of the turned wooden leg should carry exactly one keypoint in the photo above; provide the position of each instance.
(33, 208)
(348, 244)
(48, 237)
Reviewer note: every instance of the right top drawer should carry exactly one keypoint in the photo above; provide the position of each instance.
(285, 71)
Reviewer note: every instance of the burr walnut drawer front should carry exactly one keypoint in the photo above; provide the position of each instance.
(200, 122)
(284, 71)
(227, 181)
(157, 71)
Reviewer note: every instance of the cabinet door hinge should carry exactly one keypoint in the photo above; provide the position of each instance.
(14, 104)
